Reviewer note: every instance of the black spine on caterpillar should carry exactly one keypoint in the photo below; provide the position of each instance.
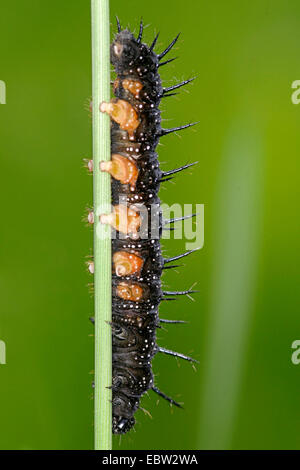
(137, 262)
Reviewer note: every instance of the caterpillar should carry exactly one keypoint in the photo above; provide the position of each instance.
(137, 260)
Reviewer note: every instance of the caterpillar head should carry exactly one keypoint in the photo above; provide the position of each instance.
(130, 57)
(121, 425)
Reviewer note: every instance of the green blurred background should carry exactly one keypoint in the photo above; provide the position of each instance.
(246, 391)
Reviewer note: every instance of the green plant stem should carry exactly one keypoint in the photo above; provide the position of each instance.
(102, 233)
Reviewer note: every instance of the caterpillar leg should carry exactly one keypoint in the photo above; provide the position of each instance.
(163, 395)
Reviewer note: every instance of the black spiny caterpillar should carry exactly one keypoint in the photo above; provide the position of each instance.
(137, 262)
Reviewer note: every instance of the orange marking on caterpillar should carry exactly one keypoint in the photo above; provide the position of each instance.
(133, 292)
(123, 219)
(122, 169)
(127, 263)
(133, 86)
(122, 113)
